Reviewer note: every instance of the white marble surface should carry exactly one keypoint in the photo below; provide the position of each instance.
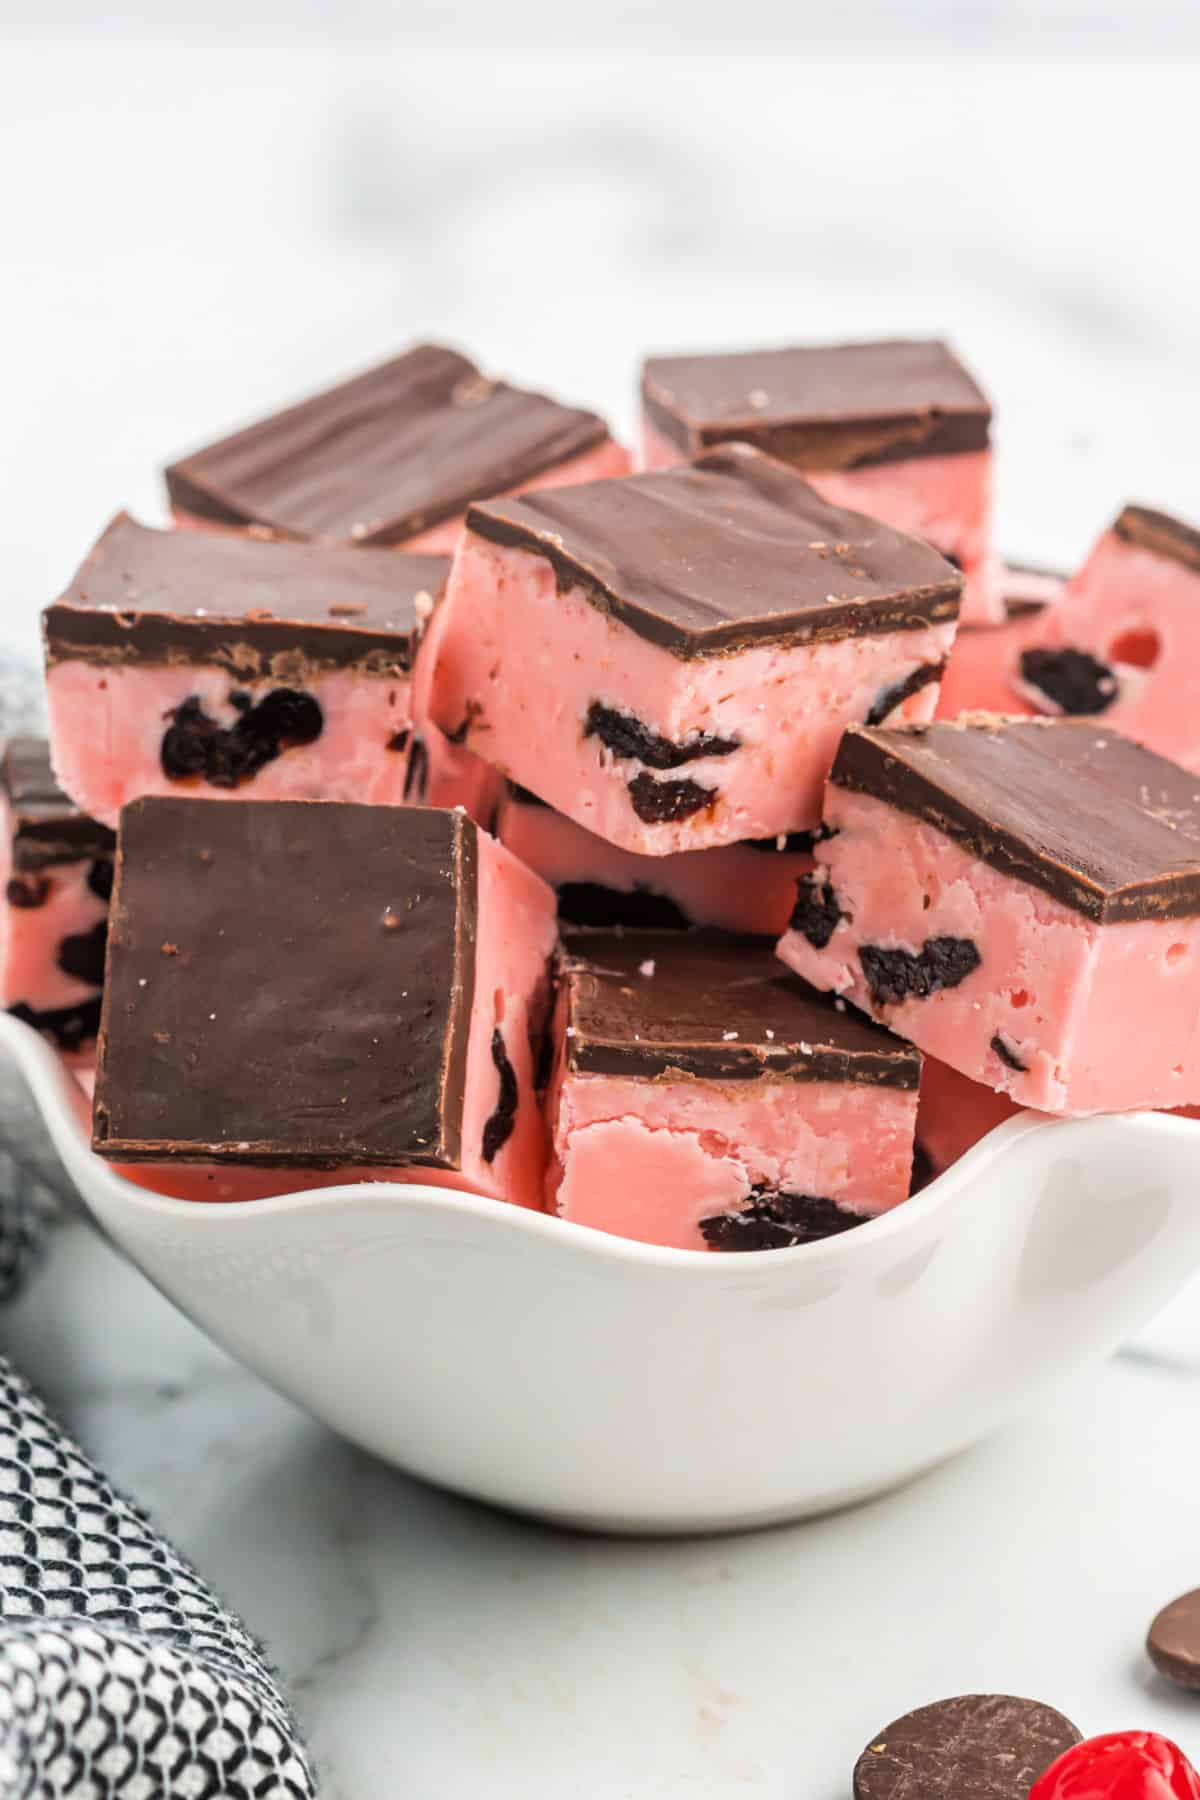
(436, 1649)
(191, 235)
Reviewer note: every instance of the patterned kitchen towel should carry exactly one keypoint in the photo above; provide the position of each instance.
(122, 1676)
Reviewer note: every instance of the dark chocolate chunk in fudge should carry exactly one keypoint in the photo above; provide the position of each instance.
(889, 698)
(1008, 1055)
(774, 1219)
(630, 740)
(384, 455)
(46, 826)
(836, 406)
(973, 1747)
(1107, 828)
(499, 1124)
(718, 1007)
(732, 550)
(1075, 681)
(816, 914)
(1161, 534)
(664, 802)
(259, 610)
(81, 954)
(290, 983)
(941, 962)
(69, 1026)
(226, 755)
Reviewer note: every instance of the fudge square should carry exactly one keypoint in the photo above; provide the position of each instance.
(1021, 899)
(671, 659)
(702, 1096)
(898, 430)
(748, 888)
(391, 456)
(56, 865)
(979, 674)
(178, 662)
(1124, 641)
(304, 986)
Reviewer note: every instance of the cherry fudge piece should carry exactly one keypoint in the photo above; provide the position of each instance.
(953, 1114)
(1124, 641)
(701, 1095)
(670, 659)
(354, 991)
(182, 663)
(747, 888)
(1022, 900)
(897, 430)
(978, 676)
(391, 456)
(57, 874)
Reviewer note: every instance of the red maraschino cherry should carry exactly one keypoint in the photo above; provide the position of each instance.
(1122, 1765)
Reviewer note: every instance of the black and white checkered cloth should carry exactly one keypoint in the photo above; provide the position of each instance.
(122, 1675)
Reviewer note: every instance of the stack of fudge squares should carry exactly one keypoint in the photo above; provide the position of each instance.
(707, 853)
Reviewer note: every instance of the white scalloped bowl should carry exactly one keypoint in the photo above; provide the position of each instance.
(614, 1386)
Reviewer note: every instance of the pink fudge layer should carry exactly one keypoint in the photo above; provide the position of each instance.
(953, 1114)
(524, 694)
(736, 887)
(442, 771)
(945, 499)
(979, 674)
(32, 939)
(1103, 1018)
(107, 725)
(609, 458)
(1131, 615)
(650, 1160)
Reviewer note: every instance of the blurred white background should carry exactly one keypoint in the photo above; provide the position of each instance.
(211, 208)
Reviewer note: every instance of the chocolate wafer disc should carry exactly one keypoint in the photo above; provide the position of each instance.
(974, 1747)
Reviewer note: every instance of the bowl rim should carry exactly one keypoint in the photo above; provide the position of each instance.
(51, 1081)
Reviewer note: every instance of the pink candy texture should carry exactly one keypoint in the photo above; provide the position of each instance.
(945, 499)
(441, 771)
(954, 1113)
(30, 936)
(521, 664)
(1140, 614)
(1102, 1016)
(650, 1159)
(517, 934)
(107, 725)
(733, 888)
(979, 675)
(608, 458)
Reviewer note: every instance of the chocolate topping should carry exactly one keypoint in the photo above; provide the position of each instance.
(1107, 828)
(1161, 534)
(47, 828)
(364, 916)
(837, 407)
(716, 1007)
(256, 609)
(385, 455)
(731, 550)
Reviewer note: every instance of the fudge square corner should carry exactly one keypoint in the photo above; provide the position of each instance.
(1020, 899)
(670, 659)
(324, 986)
